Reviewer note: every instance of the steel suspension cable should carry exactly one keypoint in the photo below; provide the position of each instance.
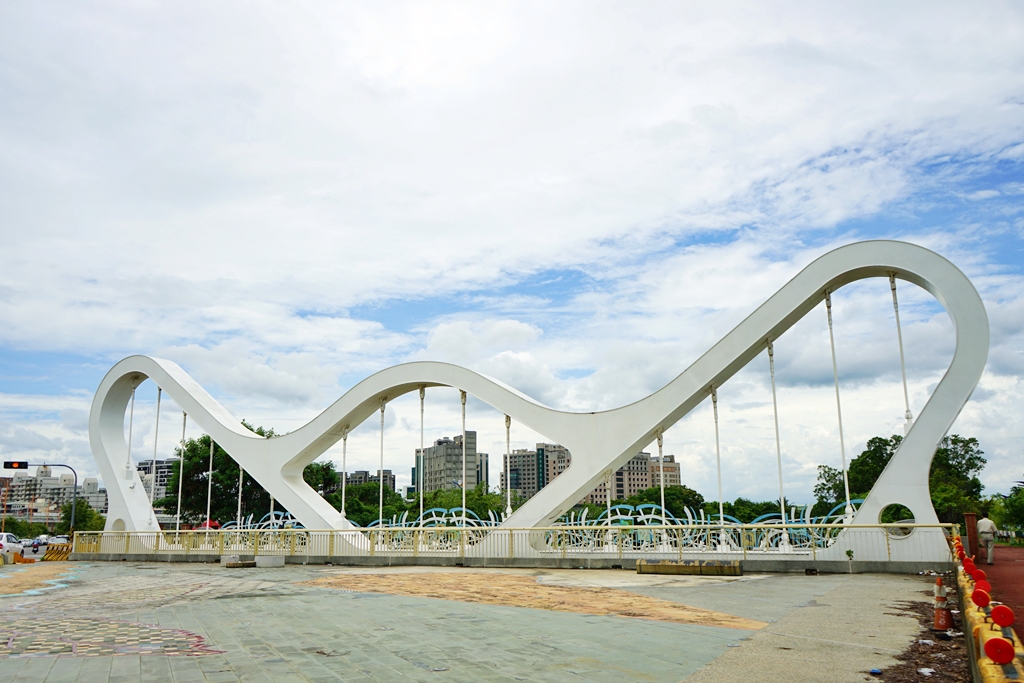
(156, 440)
(508, 463)
(903, 364)
(608, 498)
(661, 474)
(839, 408)
(718, 464)
(344, 470)
(131, 423)
(462, 395)
(380, 472)
(209, 485)
(241, 481)
(423, 456)
(778, 441)
(181, 470)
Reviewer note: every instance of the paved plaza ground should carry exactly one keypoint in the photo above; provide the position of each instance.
(122, 622)
(1007, 577)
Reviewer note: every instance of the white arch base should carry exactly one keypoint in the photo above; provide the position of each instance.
(600, 442)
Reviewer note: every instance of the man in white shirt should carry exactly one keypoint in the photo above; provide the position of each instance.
(987, 535)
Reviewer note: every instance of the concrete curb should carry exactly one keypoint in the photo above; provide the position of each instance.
(754, 566)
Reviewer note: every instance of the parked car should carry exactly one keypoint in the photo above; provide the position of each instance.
(9, 547)
(59, 539)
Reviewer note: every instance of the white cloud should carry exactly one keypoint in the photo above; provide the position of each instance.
(223, 185)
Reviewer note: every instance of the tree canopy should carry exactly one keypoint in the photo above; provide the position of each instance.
(953, 478)
(1012, 507)
(86, 518)
(224, 497)
(677, 498)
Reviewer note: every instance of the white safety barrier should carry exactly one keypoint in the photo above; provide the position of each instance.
(904, 542)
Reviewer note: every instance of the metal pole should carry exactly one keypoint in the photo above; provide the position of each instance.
(903, 364)
(839, 410)
(423, 459)
(344, 469)
(508, 462)
(778, 442)
(209, 486)
(131, 423)
(380, 472)
(718, 462)
(152, 470)
(608, 498)
(74, 502)
(181, 470)
(463, 396)
(661, 474)
(241, 481)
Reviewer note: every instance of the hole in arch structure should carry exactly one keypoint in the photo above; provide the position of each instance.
(600, 442)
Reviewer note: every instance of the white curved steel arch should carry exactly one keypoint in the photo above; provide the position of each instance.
(600, 442)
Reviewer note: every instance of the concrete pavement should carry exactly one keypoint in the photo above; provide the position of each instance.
(122, 622)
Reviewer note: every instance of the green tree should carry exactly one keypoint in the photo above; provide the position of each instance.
(362, 503)
(86, 518)
(863, 472)
(478, 499)
(867, 467)
(953, 478)
(742, 509)
(829, 490)
(1013, 507)
(23, 529)
(224, 489)
(322, 477)
(677, 498)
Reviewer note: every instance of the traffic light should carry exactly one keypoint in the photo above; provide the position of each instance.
(15, 464)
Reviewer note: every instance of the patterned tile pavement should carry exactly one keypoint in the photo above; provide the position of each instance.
(120, 622)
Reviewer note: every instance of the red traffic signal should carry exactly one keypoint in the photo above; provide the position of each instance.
(15, 464)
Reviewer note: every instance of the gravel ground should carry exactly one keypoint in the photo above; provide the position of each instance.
(935, 656)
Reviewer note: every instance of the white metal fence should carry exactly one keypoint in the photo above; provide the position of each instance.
(891, 542)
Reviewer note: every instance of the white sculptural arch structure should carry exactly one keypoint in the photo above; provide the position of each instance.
(600, 442)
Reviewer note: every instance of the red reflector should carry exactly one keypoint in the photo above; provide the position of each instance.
(1002, 615)
(999, 650)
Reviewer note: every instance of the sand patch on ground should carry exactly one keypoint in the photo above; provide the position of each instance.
(18, 578)
(511, 590)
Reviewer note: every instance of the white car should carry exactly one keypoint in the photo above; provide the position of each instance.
(9, 547)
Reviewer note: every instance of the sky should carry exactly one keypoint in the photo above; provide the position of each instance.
(576, 198)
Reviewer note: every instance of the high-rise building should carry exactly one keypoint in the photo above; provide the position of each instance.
(673, 473)
(94, 495)
(640, 472)
(40, 497)
(442, 464)
(527, 472)
(164, 470)
(365, 477)
(556, 460)
(483, 465)
(634, 476)
(532, 470)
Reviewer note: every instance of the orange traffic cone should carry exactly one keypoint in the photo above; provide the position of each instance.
(943, 615)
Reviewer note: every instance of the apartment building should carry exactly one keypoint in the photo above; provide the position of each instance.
(442, 464)
(365, 477)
